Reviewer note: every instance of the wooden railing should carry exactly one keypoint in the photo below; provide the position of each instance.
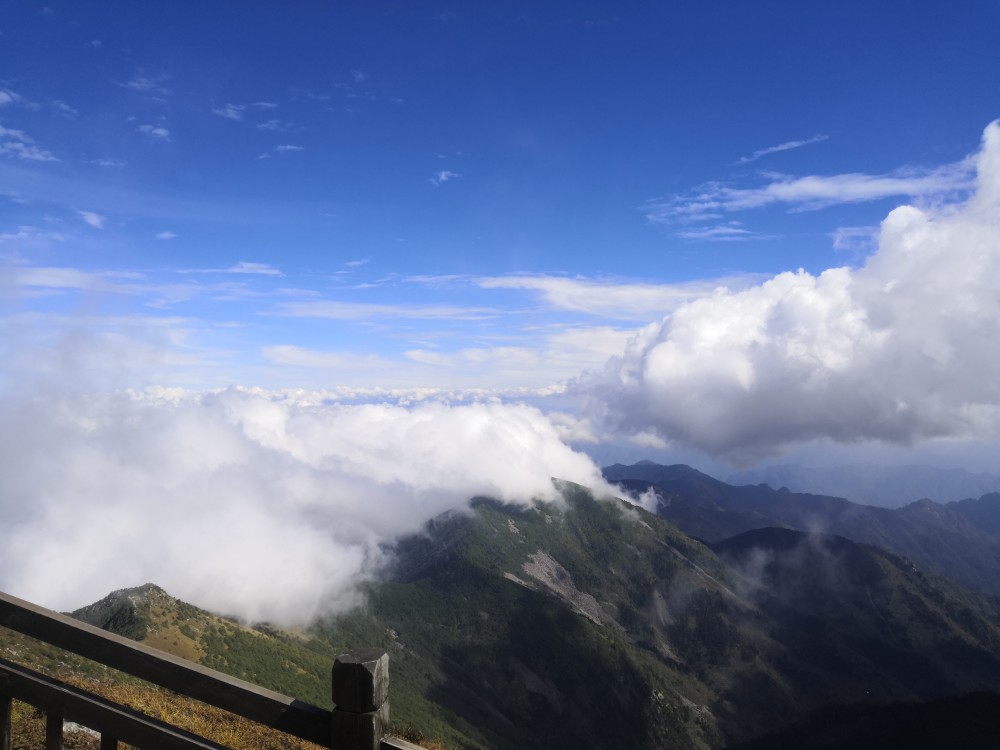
(359, 720)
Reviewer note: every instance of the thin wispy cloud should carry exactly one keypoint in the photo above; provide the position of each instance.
(715, 199)
(64, 109)
(243, 267)
(145, 83)
(165, 236)
(231, 111)
(8, 97)
(282, 149)
(155, 132)
(16, 144)
(731, 232)
(613, 299)
(855, 239)
(274, 126)
(787, 146)
(337, 310)
(442, 176)
(93, 219)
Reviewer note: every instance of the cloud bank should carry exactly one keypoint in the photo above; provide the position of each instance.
(902, 349)
(243, 501)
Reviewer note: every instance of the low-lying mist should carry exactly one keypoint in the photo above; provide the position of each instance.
(246, 502)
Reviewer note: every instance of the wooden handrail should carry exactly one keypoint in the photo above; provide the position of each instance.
(61, 701)
(360, 688)
(231, 694)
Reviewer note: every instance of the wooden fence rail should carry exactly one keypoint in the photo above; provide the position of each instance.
(360, 691)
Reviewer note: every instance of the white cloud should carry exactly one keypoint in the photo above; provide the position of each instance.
(165, 236)
(714, 200)
(787, 146)
(611, 299)
(64, 109)
(442, 176)
(336, 310)
(263, 269)
(296, 356)
(282, 149)
(264, 105)
(731, 232)
(899, 350)
(108, 163)
(289, 498)
(155, 132)
(17, 144)
(536, 360)
(855, 239)
(26, 232)
(145, 83)
(8, 97)
(93, 219)
(278, 126)
(231, 111)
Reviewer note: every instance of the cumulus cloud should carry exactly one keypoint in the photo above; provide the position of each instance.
(244, 501)
(899, 350)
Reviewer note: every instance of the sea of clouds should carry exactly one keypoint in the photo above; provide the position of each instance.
(249, 502)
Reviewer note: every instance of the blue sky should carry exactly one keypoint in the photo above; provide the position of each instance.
(485, 198)
(281, 281)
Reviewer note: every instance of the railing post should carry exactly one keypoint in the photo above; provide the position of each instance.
(361, 700)
(5, 719)
(53, 732)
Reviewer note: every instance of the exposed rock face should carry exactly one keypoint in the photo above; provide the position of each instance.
(555, 578)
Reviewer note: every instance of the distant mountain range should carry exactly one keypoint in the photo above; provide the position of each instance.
(592, 623)
(884, 486)
(959, 541)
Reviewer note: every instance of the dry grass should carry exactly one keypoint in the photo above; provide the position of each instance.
(206, 721)
(198, 718)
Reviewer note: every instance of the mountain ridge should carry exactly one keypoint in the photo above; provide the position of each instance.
(592, 621)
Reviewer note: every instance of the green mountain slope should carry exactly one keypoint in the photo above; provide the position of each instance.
(591, 623)
(603, 625)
